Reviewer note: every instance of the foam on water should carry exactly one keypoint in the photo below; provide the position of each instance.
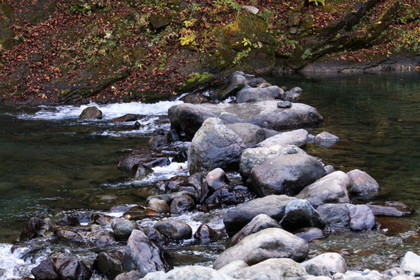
(12, 265)
(110, 111)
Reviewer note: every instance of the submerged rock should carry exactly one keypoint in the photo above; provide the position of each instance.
(326, 139)
(265, 244)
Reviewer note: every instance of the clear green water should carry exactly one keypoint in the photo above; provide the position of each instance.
(49, 165)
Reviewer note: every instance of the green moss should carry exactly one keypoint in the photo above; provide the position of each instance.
(195, 80)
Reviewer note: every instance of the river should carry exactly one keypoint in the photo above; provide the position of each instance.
(51, 163)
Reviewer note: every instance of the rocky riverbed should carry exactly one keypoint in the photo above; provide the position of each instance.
(253, 192)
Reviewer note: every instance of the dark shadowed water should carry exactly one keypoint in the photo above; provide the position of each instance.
(50, 162)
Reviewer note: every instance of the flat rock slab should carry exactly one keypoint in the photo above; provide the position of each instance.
(189, 117)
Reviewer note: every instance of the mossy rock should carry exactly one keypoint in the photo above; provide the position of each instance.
(7, 17)
(195, 80)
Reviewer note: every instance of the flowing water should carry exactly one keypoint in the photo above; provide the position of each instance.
(52, 163)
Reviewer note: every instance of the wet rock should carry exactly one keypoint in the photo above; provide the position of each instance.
(139, 212)
(199, 186)
(274, 268)
(183, 203)
(70, 235)
(295, 137)
(236, 82)
(326, 139)
(158, 205)
(169, 197)
(45, 270)
(284, 104)
(162, 161)
(285, 174)
(362, 184)
(205, 234)
(336, 216)
(309, 234)
(127, 118)
(224, 197)
(153, 234)
(253, 157)
(189, 117)
(251, 134)
(265, 244)
(361, 217)
(188, 273)
(298, 214)
(35, 227)
(71, 268)
(90, 113)
(214, 145)
(143, 255)
(135, 163)
(250, 94)
(110, 263)
(131, 275)
(293, 94)
(258, 223)
(231, 268)
(326, 264)
(411, 263)
(174, 229)
(330, 189)
(68, 221)
(160, 139)
(216, 179)
(122, 228)
(390, 209)
(272, 205)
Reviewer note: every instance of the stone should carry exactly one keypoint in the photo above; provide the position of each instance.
(174, 229)
(251, 134)
(188, 118)
(110, 263)
(231, 268)
(295, 137)
(71, 268)
(158, 205)
(216, 179)
(122, 228)
(272, 205)
(258, 223)
(127, 118)
(226, 196)
(293, 94)
(188, 273)
(265, 244)
(326, 264)
(181, 204)
(90, 113)
(326, 139)
(336, 216)
(309, 234)
(390, 209)
(35, 227)
(131, 275)
(411, 263)
(251, 94)
(253, 157)
(285, 174)
(362, 184)
(169, 196)
(298, 214)
(206, 234)
(361, 217)
(214, 145)
(143, 255)
(284, 104)
(275, 268)
(330, 189)
(251, 9)
(45, 270)
(236, 82)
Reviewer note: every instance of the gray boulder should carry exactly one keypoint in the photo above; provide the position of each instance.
(265, 244)
(276, 268)
(326, 139)
(293, 94)
(250, 94)
(326, 264)
(258, 223)
(411, 263)
(143, 255)
(231, 268)
(361, 217)
(251, 134)
(286, 174)
(217, 179)
(253, 157)
(90, 113)
(69, 267)
(188, 273)
(362, 184)
(298, 214)
(189, 117)
(235, 82)
(111, 263)
(158, 205)
(174, 229)
(214, 145)
(296, 137)
(180, 204)
(330, 189)
(205, 234)
(272, 205)
(122, 228)
(310, 233)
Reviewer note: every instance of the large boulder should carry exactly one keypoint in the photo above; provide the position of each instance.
(296, 137)
(214, 145)
(286, 174)
(272, 205)
(250, 94)
(265, 244)
(258, 223)
(299, 214)
(188, 273)
(69, 267)
(329, 189)
(361, 183)
(326, 264)
(189, 117)
(251, 134)
(253, 157)
(143, 255)
(276, 268)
